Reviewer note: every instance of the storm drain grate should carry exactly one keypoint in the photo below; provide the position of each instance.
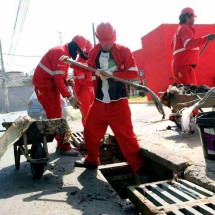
(109, 149)
(78, 139)
(172, 198)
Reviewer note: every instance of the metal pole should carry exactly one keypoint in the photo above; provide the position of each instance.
(94, 38)
(4, 81)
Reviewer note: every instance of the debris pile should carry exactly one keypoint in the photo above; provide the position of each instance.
(189, 89)
(181, 90)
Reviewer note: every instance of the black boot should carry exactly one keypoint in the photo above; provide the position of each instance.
(85, 164)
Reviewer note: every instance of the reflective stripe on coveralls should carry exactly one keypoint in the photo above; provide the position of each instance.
(183, 49)
(79, 77)
(52, 73)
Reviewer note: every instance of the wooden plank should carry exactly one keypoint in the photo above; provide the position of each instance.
(197, 188)
(141, 202)
(113, 165)
(111, 170)
(177, 99)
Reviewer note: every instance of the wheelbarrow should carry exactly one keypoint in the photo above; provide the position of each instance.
(32, 143)
(176, 102)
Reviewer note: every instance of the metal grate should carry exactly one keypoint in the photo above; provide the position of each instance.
(172, 198)
(78, 140)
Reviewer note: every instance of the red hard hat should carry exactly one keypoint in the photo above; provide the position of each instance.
(105, 33)
(89, 46)
(188, 10)
(81, 41)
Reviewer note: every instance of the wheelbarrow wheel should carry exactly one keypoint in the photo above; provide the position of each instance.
(37, 169)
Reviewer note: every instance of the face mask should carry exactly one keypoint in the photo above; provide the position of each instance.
(73, 48)
(82, 55)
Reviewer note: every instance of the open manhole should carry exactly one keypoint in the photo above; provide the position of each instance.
(161, 194)
(120, 175)
(114, 168)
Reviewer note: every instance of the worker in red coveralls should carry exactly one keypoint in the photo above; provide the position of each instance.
(50, 81)
(83, 85)
(111, 107)
(185, 47)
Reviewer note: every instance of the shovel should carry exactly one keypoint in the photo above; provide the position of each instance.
(106, 73)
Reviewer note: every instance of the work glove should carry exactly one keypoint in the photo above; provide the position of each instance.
(210, 37)
(101, 75)
(63, 57)
(74, 102)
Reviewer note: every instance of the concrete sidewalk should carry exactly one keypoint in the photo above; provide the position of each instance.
(172, 146)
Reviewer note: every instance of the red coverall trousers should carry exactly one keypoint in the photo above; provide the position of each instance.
(185, 74)
(85, 95)
(49, 97)
(118, 116)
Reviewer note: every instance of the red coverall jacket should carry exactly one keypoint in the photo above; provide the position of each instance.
(185, 49)
(51, 72)
(83, 88)
(120, 53)
(50, 83)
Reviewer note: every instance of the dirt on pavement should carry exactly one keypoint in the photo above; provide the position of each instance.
(64, 189)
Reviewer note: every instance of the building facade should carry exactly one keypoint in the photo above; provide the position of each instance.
(155, 57)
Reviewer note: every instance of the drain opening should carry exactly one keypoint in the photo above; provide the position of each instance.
(120, 175)
(161, 194)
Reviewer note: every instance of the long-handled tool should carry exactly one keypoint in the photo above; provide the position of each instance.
(203, 49)
(136, 86)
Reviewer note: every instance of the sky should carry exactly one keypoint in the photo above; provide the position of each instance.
(49, 23)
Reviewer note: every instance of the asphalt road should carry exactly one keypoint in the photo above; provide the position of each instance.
(62, 189)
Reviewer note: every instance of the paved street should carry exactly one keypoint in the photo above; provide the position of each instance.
(68, 190)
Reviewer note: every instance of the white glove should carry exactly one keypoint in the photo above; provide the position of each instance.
(63, 58)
